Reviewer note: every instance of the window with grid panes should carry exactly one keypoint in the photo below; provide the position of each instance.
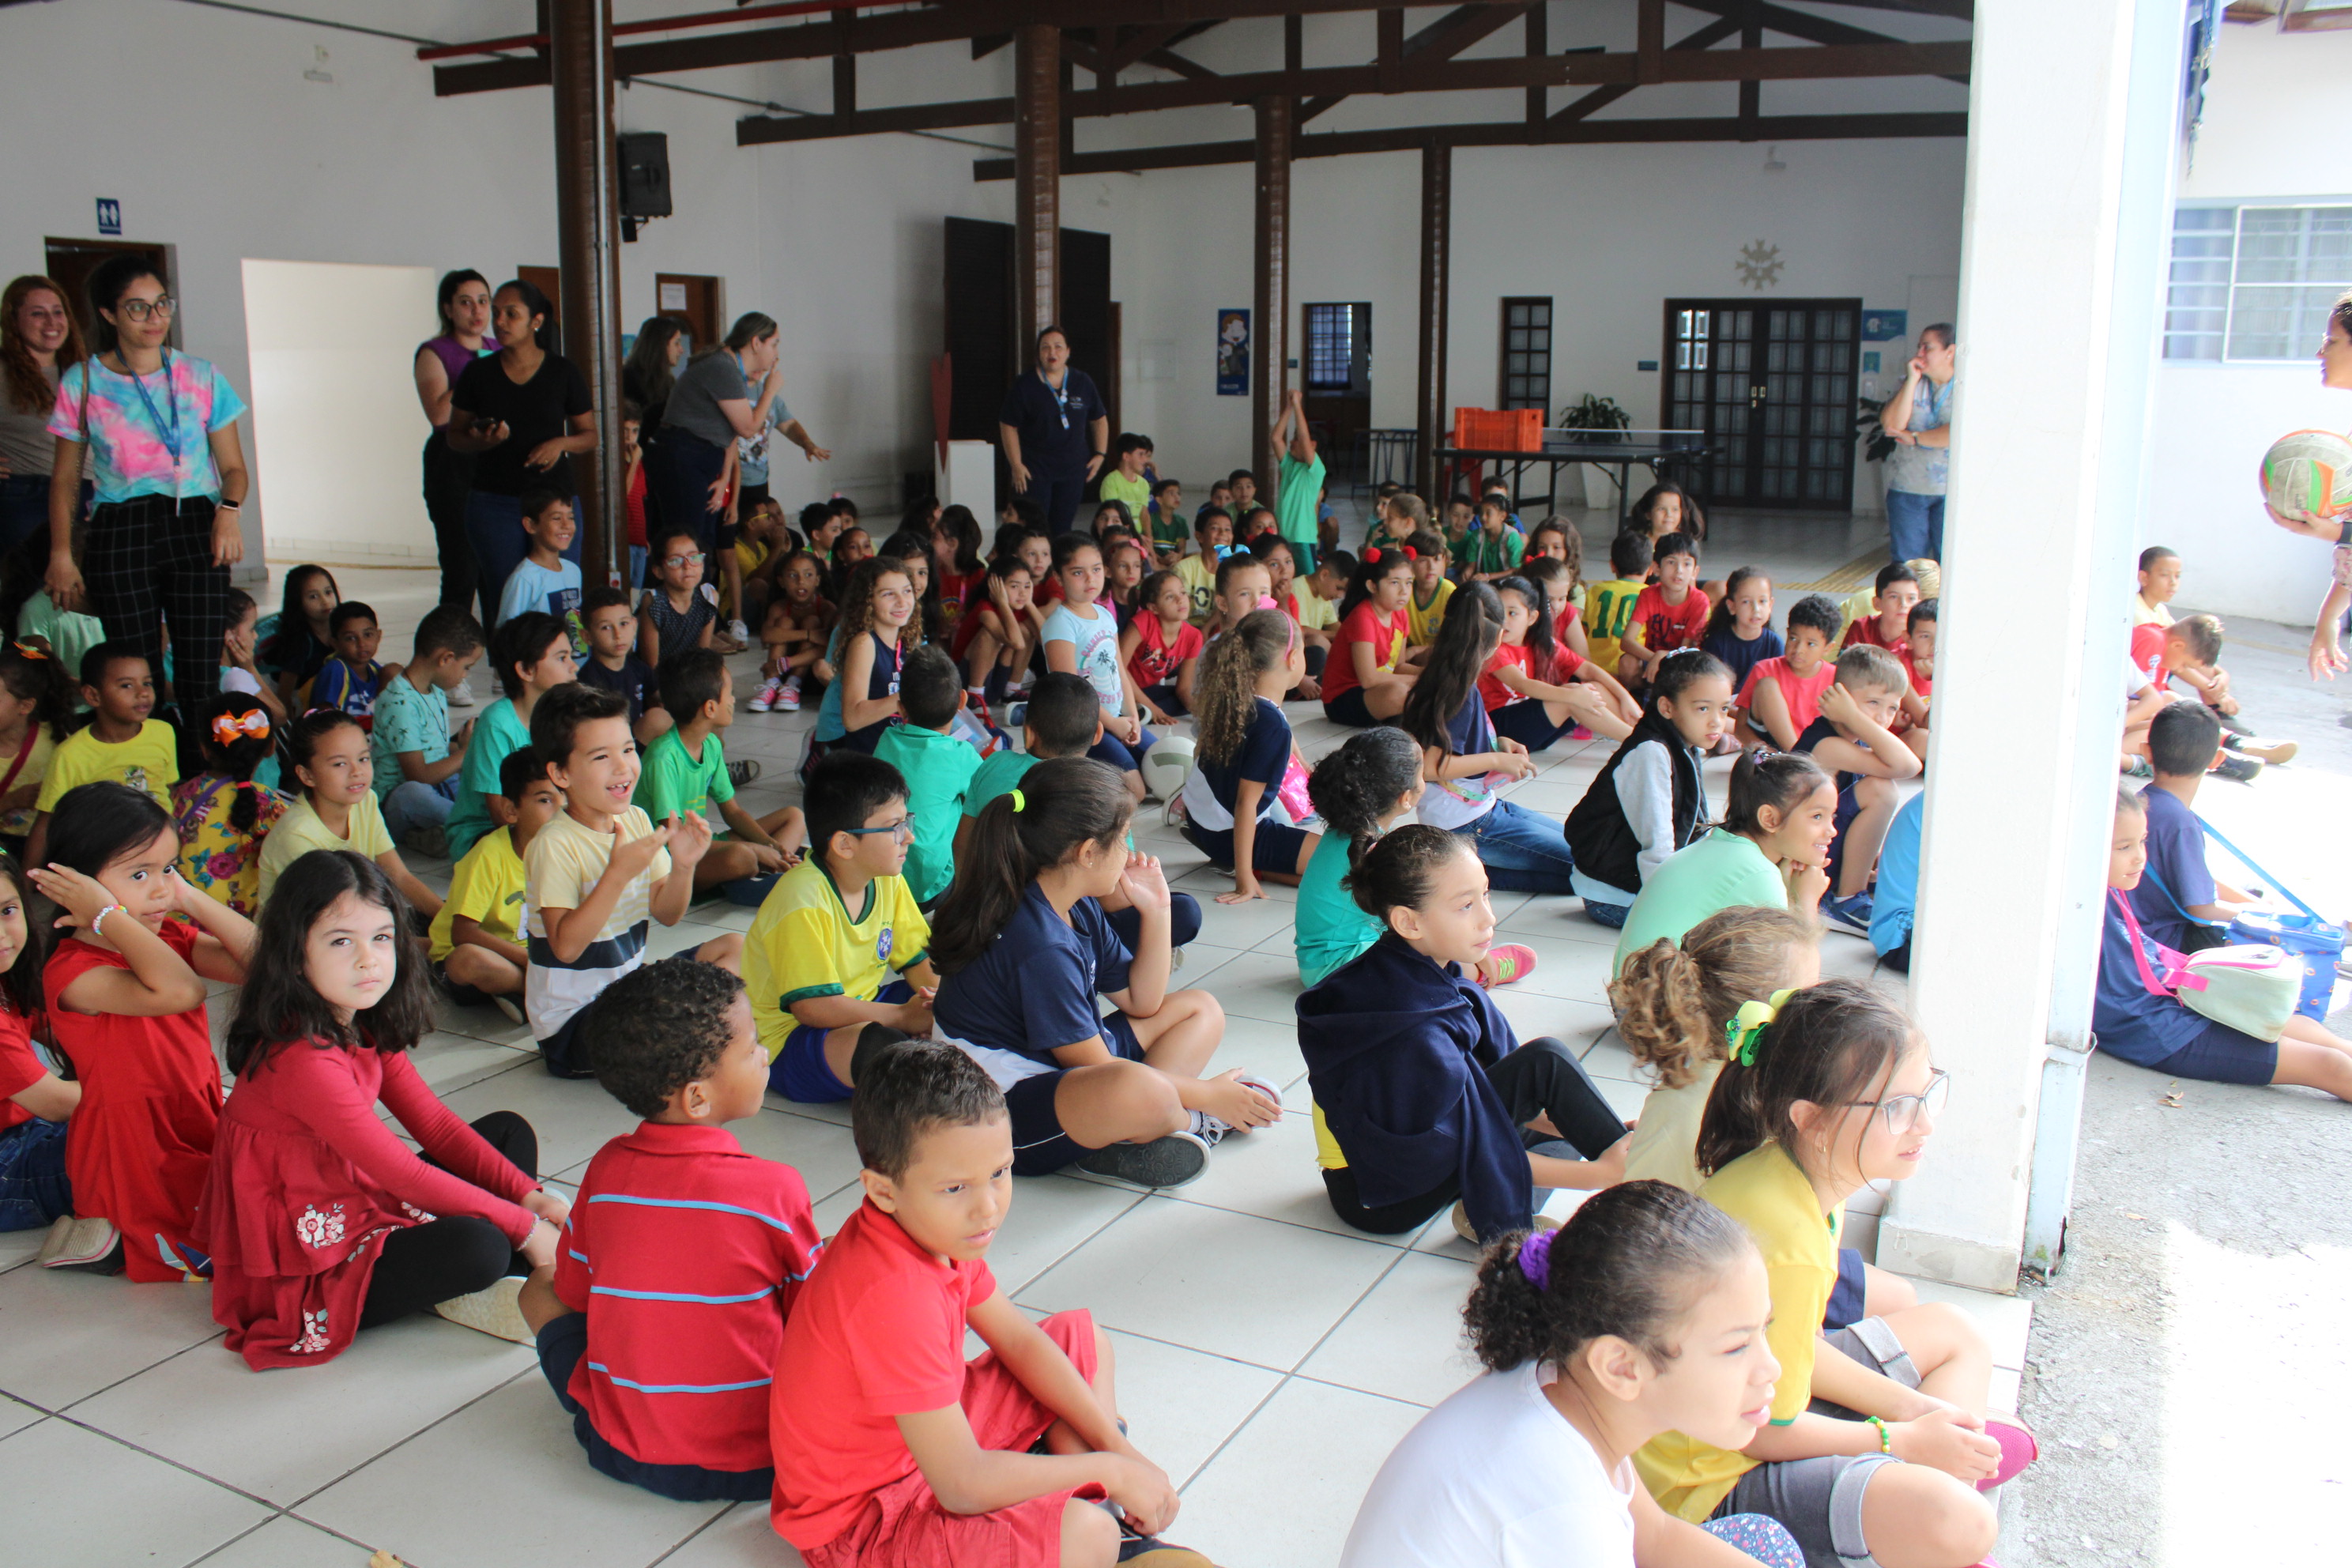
(1526, 355)
(2254, 283)
(1331, 347)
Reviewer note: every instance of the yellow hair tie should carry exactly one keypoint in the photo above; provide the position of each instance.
(1745, 1031)
(1019, 801)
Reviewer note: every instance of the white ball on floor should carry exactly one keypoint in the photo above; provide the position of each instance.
(1165, 765)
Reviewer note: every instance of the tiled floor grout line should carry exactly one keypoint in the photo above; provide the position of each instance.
(711, 1523)
(444, 1418)
(185, 1468)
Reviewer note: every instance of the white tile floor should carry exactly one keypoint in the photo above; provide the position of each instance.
(1269, 1357)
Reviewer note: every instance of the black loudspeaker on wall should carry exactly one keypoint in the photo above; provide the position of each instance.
(644, 175)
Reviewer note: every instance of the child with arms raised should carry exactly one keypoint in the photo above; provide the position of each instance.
(1234, 805)
(1025, 949)
(121, 742)
(1535, 690)
(1427, 1090)
(613, 663)
(35, 1102)
(125, 991)
(1771, 850)
(1834, 1089)
(686, 772)
(531, 656)
(937, 766)
(477, 939)
(1782, 697)
(597, 875)
(1368, 674)
(320, 1222)
(660, 1322)
(890, 1450)
(417, 762)
(840, 943)
(336, 809)
(1645, 1314)
(1650, 799)
(1851, 739)
(222, 816)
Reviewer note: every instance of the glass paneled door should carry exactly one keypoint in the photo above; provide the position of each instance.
(1774, 382)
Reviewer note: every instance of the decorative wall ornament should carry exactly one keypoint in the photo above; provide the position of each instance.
(1759, 265)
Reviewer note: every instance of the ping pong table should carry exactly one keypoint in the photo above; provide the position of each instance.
(1691, 453)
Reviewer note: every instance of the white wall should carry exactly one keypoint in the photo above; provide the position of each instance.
(2273, 129)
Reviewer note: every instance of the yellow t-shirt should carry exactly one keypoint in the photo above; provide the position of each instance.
(149, 761)
(17, 823)
(1665, 1140)
(1316, 612)
(486, 887)
(1608, 611)
(1421, 621)
(561, 865)
(1198, 575)
(1765, 1191)
(2146, 614)
(299, 831)
(804, 944)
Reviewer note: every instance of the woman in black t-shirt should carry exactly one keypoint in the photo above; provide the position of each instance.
(522, 413)
(1055, 430)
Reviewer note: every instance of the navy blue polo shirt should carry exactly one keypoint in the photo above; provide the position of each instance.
(1052, 427)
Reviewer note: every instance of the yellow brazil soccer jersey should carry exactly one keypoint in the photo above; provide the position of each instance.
(1608, 611)
(807, 943)
(1421, 621)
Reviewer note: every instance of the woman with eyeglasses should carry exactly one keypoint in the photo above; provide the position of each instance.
(1878, 1448)
(40, 339)
(155, 432)
(463, 301)
(521, 413)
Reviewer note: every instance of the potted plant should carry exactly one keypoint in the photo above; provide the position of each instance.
(1595, 418)
(1872, 431)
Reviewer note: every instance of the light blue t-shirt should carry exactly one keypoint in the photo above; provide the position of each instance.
(752, 451)
(1332, 928)
(1095, 643)
(1895, 899)
(534, 587)
(149, 435)
(406, 720)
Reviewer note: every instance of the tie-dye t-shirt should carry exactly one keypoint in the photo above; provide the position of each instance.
(133, 451)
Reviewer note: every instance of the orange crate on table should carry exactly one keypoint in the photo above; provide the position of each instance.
(1494, 430)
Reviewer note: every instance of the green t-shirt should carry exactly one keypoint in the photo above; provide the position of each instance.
(1294, 508)
(1721, 871)
(1332, 928)
(675, 782)
(1135, 494)
(1484, 552)
(938, 770)
(497, 733)
(997, 774)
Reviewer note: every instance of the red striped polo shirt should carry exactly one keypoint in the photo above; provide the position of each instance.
(687, 1254)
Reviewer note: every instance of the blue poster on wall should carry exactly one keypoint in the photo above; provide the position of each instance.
(1233, 354)
(1884, 326)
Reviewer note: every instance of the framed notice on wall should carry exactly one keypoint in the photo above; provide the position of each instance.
(1233, 354)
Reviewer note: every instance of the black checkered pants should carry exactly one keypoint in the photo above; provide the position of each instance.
(148, 560)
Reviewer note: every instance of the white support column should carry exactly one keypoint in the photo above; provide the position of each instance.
(2021, 776)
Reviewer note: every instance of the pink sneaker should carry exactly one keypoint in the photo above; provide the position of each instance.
(1512, 962)
(2018, 1450)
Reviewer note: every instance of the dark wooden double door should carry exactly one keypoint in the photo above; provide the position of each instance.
(983, 358)
(1773, 382)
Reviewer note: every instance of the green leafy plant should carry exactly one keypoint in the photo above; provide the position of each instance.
(1592, 414)
(1872, 430)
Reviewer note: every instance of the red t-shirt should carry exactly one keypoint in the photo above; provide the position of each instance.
(1565, 663)
(2148, 653)
(1362, 625)
(20, 1066)
(1924, 685)
(877, 1332)
(1863, 630)
(687, 1254)
(1802, 693)
(1156, 660)
(1665, 627)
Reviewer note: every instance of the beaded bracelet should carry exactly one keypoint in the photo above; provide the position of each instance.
(98, 919)
(1885, 1441)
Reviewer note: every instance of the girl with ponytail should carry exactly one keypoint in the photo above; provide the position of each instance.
(1023, 950)
(1880, 1452)
(1238, 809)
(1644, 1314)
(223, 816)
(1771, 850)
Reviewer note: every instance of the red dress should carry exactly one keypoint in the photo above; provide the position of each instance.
(306, 1182)
(138, 1146)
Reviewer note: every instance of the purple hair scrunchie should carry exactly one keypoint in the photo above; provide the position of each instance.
(1535, 1258)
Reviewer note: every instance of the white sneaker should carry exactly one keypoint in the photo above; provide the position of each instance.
(788, 696)
(1210, 1130)
(765, 697)
(495, 1311)
(739, 631)
(461, 696)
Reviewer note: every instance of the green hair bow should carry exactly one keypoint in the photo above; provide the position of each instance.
(1745, 1032)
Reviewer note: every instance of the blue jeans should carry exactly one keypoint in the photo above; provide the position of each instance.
(1915, 526)
(32, 1191)
(494, 523)
(413, 805)
(636, 577)
(1524, 852)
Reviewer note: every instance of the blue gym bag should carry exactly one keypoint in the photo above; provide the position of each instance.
(2317, 941)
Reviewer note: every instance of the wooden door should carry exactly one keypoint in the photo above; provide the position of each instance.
(1774, 382)
(72, 261)
(547, 280)
(691, 301)
(1336, 375)
(982, 358)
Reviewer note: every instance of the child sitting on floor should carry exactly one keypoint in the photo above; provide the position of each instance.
(477, 939)
(1918, 661)
(531, 656)
(1369, 675)
(1536, 690)
(349, 681)
(685, 773)
(1025, 949)
(1432, 588)
(1212, 533)
(1650, 798)
(35, 1102)
(676, 1223)
(1245, 585)
(1169, 532)
(1609, 607)
(613, 662)
(818, 973)
(1885, 1440)
(1556, 581)
(1162, 648)
(596, 874)
(1890, 618)
(890, 1450)
(937, 766)
(1494, 551)
(120, 742)
(877, 630)
(2179, 901)
(336, 808)
(2192, 654)
(1671, 613)
(417, 762)
(1427, 1090)
(793, 634)
(1645, 1313)
(1739, 631)
(2141, 1019)
(124, 988)
(681, 610)
(1851, 740)
(2159, 580)
(1241, 808)
(1782, 697)
(222, 816)
(1082, 636)
(320, 1222)
(301, 639)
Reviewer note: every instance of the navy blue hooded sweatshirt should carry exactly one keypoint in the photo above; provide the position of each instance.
(1396, 1048)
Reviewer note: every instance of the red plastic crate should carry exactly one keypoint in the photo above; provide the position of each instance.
(1493, 430)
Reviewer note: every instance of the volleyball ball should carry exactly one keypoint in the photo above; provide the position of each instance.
(1164, 767)
(2307, 476)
